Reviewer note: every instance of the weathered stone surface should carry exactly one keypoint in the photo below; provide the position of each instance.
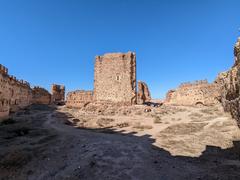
(14, 94)
(58, 93)
(41, 96)
(115, 78)
(199, 92)
(143, 93)
(79, 98)
(230, 84)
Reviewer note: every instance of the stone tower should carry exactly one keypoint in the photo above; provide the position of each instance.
(115, 78)
(58, 93)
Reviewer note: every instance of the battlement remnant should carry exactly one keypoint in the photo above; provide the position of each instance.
(194, 83)
(3, 70)
(16, 94)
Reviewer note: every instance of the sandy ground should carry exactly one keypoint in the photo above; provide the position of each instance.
(168, 142)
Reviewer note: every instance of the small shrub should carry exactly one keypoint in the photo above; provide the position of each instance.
(197, 115)
(75, 120)
(207, 111)
(122, 125)
(142, 127)
(210, 118)
(104, 121)
(157, 120)
(138, 113)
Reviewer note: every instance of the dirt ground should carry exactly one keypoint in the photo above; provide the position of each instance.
(139, 142)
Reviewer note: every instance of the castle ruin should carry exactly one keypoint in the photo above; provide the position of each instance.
(14, 94)
(17, 94)
(114, 82)
(198, 92)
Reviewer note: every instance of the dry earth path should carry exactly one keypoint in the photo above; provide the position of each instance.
(40, 144)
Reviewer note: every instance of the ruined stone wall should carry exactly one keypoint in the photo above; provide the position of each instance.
(14, 94)
(230, 85)
(58, 93)
(115, 78)
(79, 98)
(143, 94)
(41, 96)
(199, 92)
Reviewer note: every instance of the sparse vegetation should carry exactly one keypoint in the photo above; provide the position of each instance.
(207, 111)
(207, 118)
(185, 128)
(195, 115)
(122, 125)
(157, 120)
(139, 126)
(138, 113)
(102, 122)
(75, 120)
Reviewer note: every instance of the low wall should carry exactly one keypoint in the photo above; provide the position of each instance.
(79, 98)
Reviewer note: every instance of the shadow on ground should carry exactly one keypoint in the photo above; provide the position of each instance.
(40, 143)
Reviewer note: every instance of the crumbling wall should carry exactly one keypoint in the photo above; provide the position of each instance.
(230, 84)
(79, 98)
(41, 96)
(199, 92)
(143, 94)
(14, 94)
(58, 93)
(115, 78)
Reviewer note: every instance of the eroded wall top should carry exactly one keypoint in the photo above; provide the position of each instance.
(198, 92)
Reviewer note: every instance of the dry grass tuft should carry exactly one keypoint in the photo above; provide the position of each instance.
(195, 115)
(207, 111)
(139, 126)
(123, 125)
(157, 120)
(102, 122)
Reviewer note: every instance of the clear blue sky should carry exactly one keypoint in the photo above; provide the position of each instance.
(55, 41)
